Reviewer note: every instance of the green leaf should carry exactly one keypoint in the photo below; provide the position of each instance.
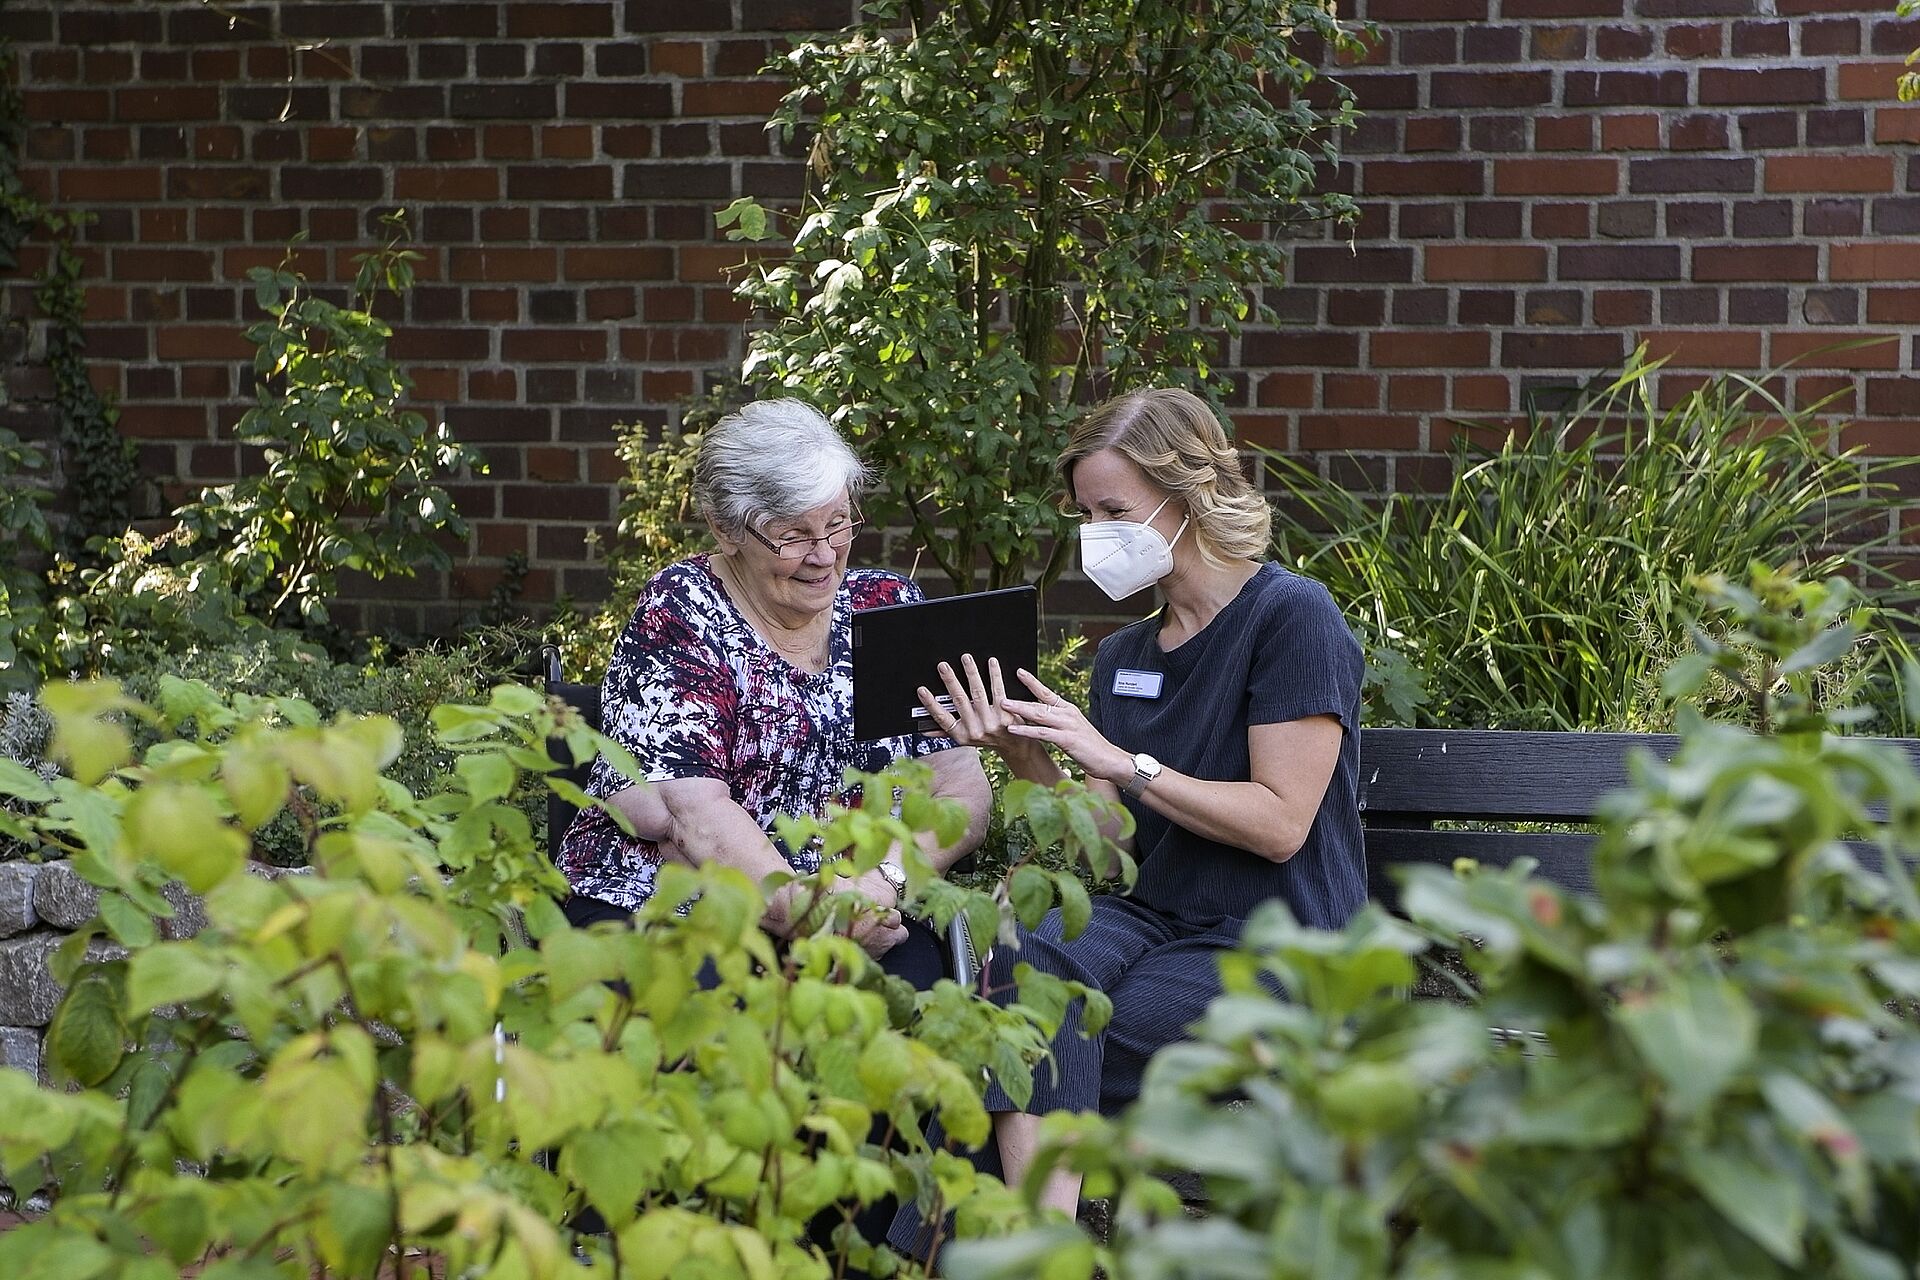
(170, 973)
(1014, 1257)
(91, 745)
(1045, 814)
(576, 959)
(843, 279)
(88, 1037)
(1684, 677)
(1827, 647)
(515, 700)
(256, 783)
(1763, 1202)
(1696, 1034)
(1860, 1261)
(487, 775)
(614, 1165)
(1076, 908)
(1365, 1098)
(544, 918)
(320, 1110)
(1031, 891)
(23, 783)
(184, 831)
(93, 815)
(884, 1067)
(129, 925)
(745, 217)
(354, 1227)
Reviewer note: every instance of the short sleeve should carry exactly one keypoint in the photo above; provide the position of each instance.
(1306, 661)
(669, 696)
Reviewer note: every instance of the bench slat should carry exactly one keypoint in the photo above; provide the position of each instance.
(1495, 774)
(1408, 776)
(1565, 857)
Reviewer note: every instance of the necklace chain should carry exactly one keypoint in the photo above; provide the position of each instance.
(810, 655)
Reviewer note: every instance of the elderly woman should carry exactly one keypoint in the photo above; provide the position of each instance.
(1227, 721)
(732, 687)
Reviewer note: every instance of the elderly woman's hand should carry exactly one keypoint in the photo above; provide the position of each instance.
(794, 909)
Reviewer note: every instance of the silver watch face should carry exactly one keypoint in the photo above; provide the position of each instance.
(895, 876)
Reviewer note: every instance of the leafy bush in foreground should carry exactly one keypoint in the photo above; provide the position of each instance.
(369, 1060)
(275, 666)
(1710, 1070)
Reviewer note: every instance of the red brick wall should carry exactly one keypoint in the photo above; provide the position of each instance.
(1545, 183)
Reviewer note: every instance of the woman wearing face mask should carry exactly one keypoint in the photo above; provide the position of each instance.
(1226, 722)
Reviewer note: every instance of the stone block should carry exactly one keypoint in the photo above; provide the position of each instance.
(16, 897)
(189, 912)
(28, 993)
(20, 1049)
(62, 898)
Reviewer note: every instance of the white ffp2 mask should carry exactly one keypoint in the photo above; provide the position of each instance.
(1125, 556)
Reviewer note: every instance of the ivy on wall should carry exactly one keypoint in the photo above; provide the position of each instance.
(100, 465)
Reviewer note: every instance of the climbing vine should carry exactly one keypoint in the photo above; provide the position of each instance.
(100, 465)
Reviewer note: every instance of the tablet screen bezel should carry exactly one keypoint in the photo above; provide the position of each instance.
(898, 647)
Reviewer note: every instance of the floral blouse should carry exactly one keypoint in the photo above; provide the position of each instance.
(693, 692)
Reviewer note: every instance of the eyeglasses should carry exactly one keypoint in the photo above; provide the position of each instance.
(797, 548)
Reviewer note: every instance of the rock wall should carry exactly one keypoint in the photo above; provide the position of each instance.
(40, 905)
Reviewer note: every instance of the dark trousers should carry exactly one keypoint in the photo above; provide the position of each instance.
(921, 959)
(1159, 973)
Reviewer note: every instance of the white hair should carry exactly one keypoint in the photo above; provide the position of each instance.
(770, 460)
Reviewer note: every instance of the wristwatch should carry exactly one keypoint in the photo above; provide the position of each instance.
(1145, 770)
(896, 875)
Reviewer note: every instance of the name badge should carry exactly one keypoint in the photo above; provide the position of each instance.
(1137, 684)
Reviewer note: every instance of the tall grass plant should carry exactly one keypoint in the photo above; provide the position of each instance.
(1541, 588)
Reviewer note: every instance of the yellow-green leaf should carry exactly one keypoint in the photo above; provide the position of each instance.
(182, 828)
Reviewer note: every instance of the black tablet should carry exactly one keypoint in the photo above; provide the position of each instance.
(899, 647)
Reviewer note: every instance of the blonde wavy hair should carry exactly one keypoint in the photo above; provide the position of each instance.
(1179, 445)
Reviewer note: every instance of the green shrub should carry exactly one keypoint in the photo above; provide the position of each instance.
(1015, 210)
(352, 1066)
(23, 591)
(350, 480)
(1909, 88)
(1541, 588)
(140, 597)
(276, 666)
(657, 527)
(25, 736)
(1711, 1069)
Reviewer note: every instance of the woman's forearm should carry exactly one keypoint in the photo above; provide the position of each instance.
(957, 775)
(1270, 814)
(706, 826)
(642, 805)
(1246, 815)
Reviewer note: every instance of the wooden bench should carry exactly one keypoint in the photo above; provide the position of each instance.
(1412, 778)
